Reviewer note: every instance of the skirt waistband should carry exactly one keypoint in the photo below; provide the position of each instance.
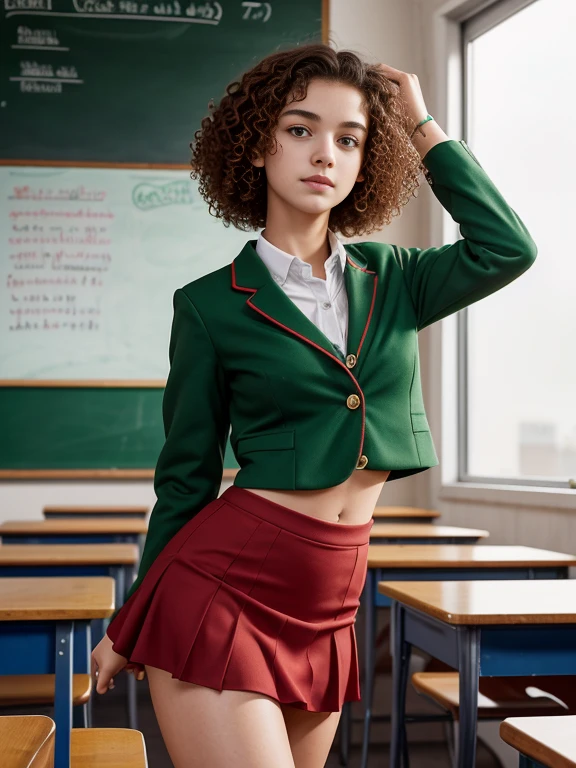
(297, 522)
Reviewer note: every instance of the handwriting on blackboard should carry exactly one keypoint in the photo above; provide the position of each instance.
(148, 196)
(58, 251)
(208, 12)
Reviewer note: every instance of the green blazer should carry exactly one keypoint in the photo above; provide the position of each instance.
(303, 417)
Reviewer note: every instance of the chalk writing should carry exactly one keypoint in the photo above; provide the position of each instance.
(148, 196)
(45, 239)
(256, 11)
(210, 11)
(37, 37)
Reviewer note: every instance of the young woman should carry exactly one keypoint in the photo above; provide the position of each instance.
(243, 611)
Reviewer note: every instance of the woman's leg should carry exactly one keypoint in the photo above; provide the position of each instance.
(203, 727)
(311, 735)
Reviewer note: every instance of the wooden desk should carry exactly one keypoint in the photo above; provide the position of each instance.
(492, 628)
(73, 510)
(75, 531)
(542, 741)
(422, 533)
(404, 515)
(116, 560)
(432, 562)
(119, 561)
(38, 619)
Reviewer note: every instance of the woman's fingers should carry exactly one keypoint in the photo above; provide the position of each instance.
(137, 670)
(101, 676)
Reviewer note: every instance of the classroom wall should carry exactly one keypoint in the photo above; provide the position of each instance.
(382, 30)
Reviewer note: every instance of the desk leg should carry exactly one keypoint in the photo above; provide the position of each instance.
(369, 653)
(401, 652)
(469, 671)
(82, 713)
(63, 664)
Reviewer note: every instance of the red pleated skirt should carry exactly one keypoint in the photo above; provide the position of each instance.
(252, 595)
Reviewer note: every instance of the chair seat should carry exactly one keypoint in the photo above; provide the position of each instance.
(501, 697)
(27, 741)
(39, 689)
(107, 748)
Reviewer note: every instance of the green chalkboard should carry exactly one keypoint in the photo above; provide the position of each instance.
(82, 428)
(128, 81)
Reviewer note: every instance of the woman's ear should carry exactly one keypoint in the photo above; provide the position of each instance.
(361, 177)
(257, 161)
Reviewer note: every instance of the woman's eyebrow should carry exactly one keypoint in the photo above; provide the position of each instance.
(317, 118)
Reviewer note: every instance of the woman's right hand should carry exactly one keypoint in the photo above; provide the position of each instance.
(106, 663)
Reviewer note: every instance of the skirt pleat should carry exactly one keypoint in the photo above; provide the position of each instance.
(251, 595)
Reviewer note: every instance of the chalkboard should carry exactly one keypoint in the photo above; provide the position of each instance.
(82, 428)
(91, 258)
(128, 81)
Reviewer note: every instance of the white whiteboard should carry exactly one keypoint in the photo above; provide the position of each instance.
(90, 261)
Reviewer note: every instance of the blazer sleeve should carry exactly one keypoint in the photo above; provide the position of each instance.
(196, 419)
(496, 247)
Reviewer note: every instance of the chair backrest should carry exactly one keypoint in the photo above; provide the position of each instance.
(27, 741)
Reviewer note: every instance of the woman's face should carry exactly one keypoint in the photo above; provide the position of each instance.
(325, 135)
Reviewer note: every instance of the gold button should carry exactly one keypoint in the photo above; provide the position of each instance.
(353, 401)
(351, 361)
(362, 461)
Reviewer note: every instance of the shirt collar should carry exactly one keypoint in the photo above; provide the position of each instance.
(279, 262)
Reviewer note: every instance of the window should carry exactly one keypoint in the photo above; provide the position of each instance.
(517, 362)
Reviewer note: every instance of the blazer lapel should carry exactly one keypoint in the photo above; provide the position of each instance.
(250, 274)
(361, 284)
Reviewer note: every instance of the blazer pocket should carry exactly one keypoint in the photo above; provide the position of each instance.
(268, 441)
(419, 422)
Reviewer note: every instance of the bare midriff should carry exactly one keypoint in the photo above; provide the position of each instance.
(350, 503)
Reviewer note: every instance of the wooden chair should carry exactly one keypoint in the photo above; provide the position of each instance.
(107, 748)
(24, 690)
(499, 697)
(27, 741)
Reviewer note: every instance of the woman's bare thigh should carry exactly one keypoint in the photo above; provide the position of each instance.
(204, 727)
(311, 735)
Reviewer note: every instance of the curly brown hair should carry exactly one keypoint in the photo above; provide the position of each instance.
(244, 123)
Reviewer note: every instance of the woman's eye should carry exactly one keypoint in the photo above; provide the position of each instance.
(355, 142)
(351, 138)
(297, 128)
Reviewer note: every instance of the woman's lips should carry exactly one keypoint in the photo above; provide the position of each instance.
(317, 185)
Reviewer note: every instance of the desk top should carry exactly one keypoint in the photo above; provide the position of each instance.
(75, 509)
(530, 601)
(57, 598)
(550, 739)
(447, 556)
(420, 531)
(407, 512)
(65, 554)
(93, 525)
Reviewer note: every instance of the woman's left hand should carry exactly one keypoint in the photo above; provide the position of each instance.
(410, 91)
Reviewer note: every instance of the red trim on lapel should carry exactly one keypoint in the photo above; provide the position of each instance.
(370, 272)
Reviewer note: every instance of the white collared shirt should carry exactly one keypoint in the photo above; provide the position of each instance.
(324, 302)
